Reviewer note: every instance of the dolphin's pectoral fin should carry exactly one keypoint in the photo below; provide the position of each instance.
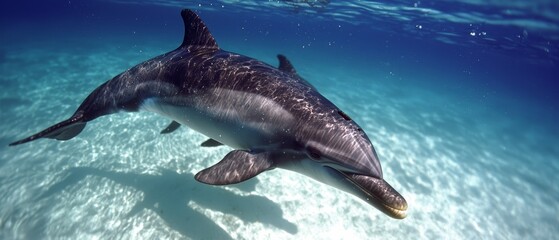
(61, 131)
(235, 167)
(171, 128)
(211, 143)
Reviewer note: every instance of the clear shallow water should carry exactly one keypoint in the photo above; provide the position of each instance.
(465, 129)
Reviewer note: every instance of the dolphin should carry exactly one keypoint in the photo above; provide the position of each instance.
(271, 117)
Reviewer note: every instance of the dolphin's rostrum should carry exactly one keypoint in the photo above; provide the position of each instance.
(271, 117)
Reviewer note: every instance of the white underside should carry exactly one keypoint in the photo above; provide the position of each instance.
(237, 119)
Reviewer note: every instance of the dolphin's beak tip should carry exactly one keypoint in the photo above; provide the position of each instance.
(401, 211)
(401, 215)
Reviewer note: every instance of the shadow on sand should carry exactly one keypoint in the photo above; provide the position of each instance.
(168, 195)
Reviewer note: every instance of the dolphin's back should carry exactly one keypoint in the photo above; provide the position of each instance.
(197, 69)
(224, 95)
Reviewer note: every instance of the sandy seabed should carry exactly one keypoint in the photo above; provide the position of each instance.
(464, 171)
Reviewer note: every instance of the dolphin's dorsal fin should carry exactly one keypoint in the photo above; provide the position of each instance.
(285, 65)
(195, 31)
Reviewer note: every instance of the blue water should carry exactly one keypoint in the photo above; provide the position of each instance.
(460, 99)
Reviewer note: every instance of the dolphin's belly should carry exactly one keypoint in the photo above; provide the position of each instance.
(238, 119)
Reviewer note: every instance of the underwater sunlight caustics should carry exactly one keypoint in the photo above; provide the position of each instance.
(271, 117)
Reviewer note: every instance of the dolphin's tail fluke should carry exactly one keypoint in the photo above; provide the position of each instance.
(64, 130)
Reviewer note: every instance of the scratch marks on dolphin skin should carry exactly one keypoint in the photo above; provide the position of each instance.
(250, 108)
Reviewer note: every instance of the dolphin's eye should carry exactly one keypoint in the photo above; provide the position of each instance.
(315, 155)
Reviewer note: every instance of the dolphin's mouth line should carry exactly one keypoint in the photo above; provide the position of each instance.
(379, 194)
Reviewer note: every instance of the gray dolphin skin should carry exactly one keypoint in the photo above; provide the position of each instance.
(270, 116)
